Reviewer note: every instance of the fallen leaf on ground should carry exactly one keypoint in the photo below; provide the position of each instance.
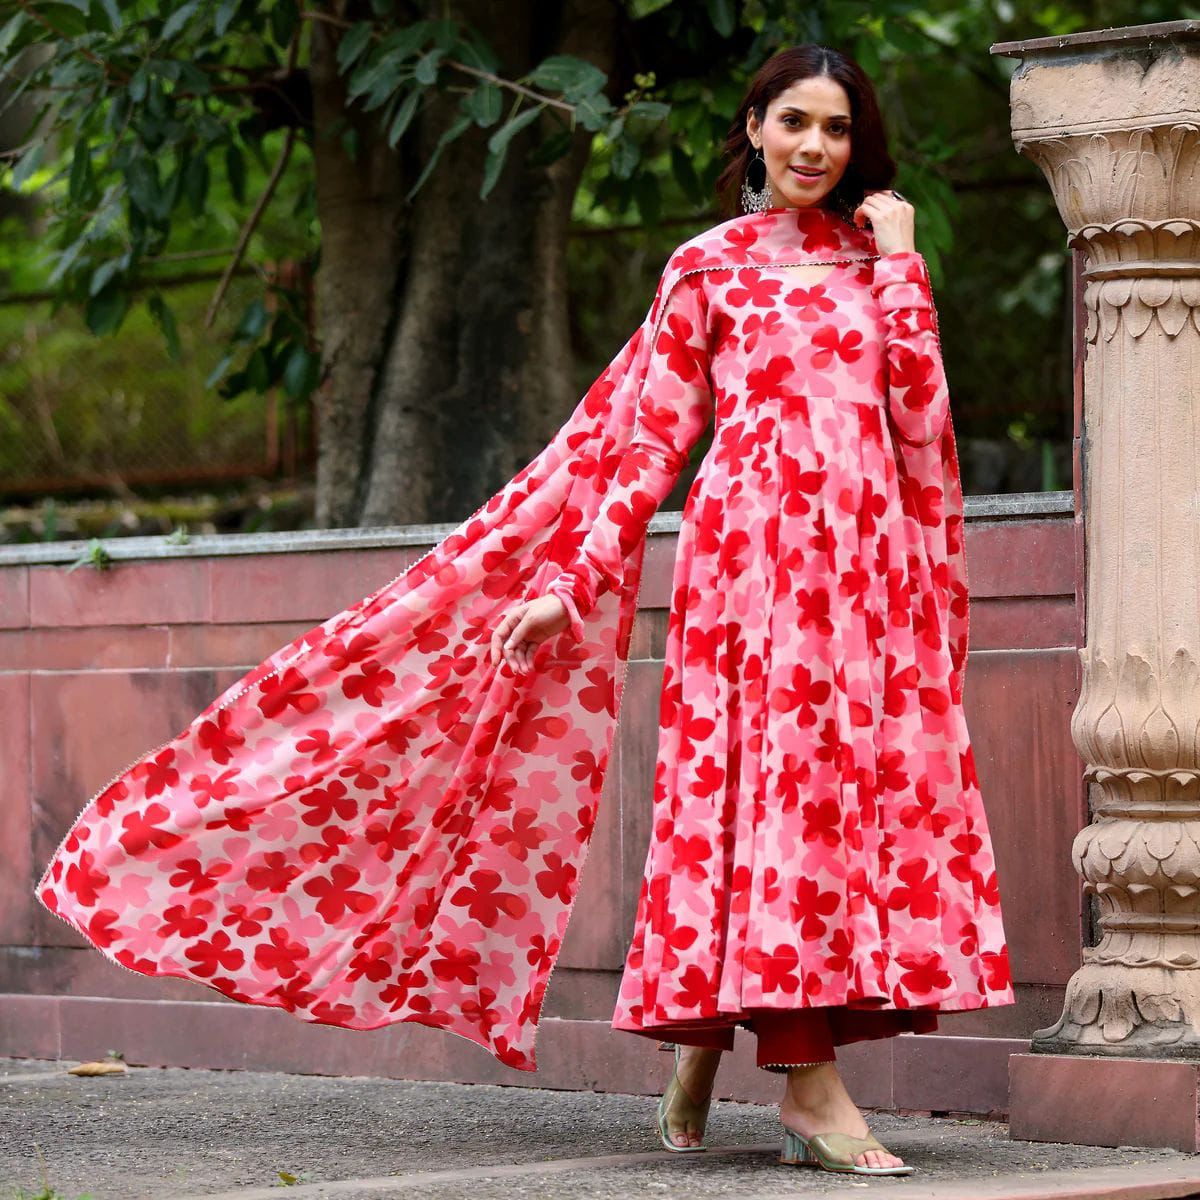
(99, 1068)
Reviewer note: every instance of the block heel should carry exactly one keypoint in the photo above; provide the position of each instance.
(834, 1152)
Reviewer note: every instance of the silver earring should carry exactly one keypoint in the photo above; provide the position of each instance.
(756, 197)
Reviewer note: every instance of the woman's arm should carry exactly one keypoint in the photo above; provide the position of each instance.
(918, 398)
(673, 411)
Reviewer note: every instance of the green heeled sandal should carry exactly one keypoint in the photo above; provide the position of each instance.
(677, 1104)
(835, 1152)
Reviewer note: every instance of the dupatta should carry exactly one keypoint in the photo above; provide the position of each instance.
(375, 825)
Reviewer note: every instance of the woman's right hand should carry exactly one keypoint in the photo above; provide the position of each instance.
(524, 627)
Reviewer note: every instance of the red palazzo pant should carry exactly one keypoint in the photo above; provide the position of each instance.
(805, 1036)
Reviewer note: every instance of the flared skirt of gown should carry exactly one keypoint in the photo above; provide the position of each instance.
(818, 835)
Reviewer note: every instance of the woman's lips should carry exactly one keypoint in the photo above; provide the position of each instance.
(806, 177)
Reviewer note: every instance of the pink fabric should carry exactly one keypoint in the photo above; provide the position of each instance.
(374, 825)
(818, 835)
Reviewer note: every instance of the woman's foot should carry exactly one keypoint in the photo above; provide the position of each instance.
(697, 1073)
(816, 1101)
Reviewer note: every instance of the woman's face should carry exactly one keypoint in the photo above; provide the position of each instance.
(806, 126)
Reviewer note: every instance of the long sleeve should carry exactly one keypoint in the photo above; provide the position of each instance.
(918, 398)
(673, 410)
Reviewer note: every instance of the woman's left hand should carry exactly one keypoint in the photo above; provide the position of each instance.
(892, 221)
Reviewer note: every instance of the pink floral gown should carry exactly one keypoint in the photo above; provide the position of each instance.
(818, 833)
(375, 825)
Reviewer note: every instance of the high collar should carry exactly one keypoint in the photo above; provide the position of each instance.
(790, 233)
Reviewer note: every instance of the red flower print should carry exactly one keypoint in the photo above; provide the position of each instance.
(343, 655)
(220, 737)
(754, 288)
(273, 874)
(196, 876)
(85, 879)
(918, 894)
(335, 893)
(809, 905)
(483, 901)
(286, 690)
(832, 343)
(159, 772)
(924, 972)
(282, 955)
(328, 803)
(521, 835)
(215, 953)
(145, 829)
(452, 963)
(779, 971)
(369, 685)
(557, 878)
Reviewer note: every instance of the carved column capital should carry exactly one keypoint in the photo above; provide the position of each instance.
(1113, 120)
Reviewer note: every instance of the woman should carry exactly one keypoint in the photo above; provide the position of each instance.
(386, 820)
(796, 637)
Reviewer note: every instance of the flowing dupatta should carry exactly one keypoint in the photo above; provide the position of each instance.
(375, 825)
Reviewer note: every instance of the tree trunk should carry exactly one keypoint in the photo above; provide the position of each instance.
(446, 356)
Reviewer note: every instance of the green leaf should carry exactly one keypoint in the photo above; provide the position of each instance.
(112, 12)
(165, 320)
(103, 274)
(452, 131)
(649, 110)
(178, 20)
(143, 187)
(571, 76)
(403, 117)
(492, 166)
(625, 157)
(81, 186)
(27, 164)
(426, 68)
(195, 183)
(402, 44)
(235, 171)
(253, 322)
(258, 376)
(284, 19)
(385, 72)
(485, 104)
(218, 372)
(301, 373)
(224, 17)
(505, 134)
(721, 14)
(354, 42)
(8, 34)
(106, 310)
(684, 171)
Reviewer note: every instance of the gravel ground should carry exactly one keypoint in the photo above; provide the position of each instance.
(180, 1133)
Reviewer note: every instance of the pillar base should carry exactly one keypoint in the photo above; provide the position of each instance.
(1095, 1100)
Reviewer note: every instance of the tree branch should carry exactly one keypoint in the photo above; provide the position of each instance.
(243, 241)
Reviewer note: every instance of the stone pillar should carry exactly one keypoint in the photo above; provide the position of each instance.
(1113, 120)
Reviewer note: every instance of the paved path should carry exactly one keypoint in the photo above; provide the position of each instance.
(172, 1134)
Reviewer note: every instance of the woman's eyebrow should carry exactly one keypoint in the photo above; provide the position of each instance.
(793, 108)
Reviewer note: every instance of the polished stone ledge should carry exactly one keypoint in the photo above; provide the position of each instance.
(1002, 506)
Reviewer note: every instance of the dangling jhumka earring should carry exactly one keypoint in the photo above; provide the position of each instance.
(756, 197)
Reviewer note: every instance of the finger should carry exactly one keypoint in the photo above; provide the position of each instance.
(513, 640)
(523, 632)
(501, 632)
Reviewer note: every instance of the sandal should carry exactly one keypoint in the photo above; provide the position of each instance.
(835, 1152)
(676, 1103)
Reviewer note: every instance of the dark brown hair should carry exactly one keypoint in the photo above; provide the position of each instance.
(870, 165)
